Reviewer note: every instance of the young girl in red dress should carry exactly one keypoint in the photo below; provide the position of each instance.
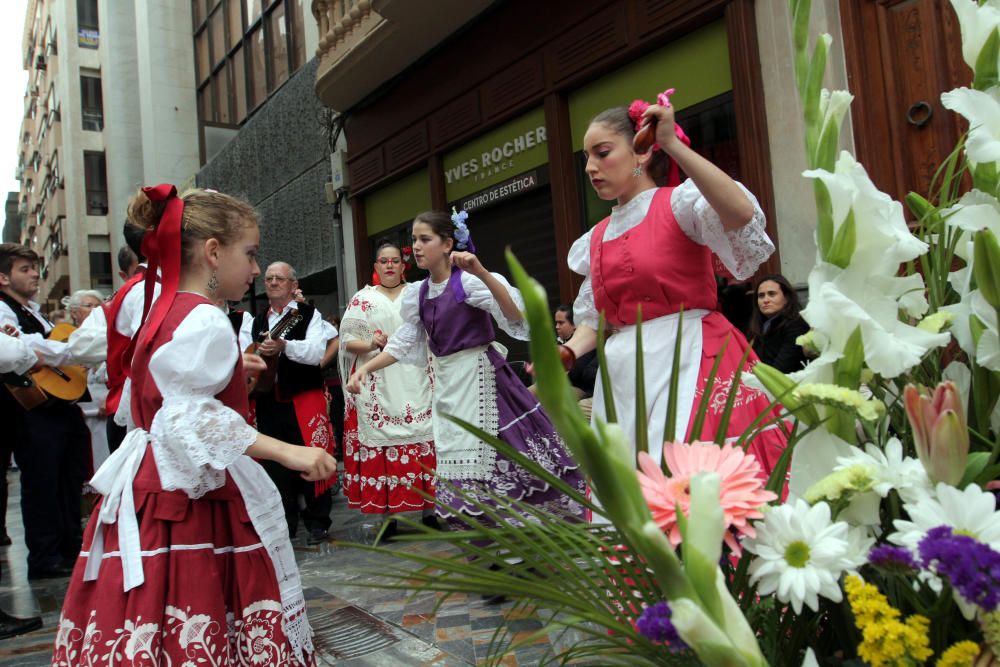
(186, 558)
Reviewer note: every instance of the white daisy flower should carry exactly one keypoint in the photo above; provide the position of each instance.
(972, 512)
(890, 470)
(801, 554)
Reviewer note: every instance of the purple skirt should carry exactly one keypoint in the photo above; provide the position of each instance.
(524, 425)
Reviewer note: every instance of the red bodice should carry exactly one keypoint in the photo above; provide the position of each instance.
(117, 343)
(654, 264)
(146, 397)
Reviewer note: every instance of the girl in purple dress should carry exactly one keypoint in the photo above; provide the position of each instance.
(452, 313)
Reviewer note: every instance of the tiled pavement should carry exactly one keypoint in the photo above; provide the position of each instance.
(356, 625)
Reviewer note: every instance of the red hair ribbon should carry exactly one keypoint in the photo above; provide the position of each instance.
(635, 111)
(163, 252)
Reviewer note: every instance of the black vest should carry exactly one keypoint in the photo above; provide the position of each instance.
(26, 320)
(292, 377)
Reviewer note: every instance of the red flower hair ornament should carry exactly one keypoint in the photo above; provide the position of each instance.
(635, 111)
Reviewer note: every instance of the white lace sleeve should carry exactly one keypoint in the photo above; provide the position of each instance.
(741, 250)
(195, 436)
(584, 309)
(409, 342)
(478, 295)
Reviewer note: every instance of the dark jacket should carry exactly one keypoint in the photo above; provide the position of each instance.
(776, 347)
(583, 375)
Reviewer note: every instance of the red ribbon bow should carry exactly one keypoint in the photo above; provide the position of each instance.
(163, 252)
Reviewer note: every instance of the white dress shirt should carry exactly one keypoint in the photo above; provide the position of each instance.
(53, 352)
(308, 351)
(15, 355)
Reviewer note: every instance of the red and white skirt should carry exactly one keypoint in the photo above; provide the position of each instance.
(210, 595)
(380, 480)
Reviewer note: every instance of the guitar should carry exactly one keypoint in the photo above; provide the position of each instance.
(263, 382)
(65, 383)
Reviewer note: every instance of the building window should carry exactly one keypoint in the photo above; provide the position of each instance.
(99, 253)
(92, 103)
(88, 29)
(244, 51)
(96, 179)
(277, 48)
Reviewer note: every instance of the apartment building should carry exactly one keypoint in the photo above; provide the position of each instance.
(110, 105)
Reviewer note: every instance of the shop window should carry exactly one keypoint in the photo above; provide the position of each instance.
(92, 103)
(711, 126)
(96, 179)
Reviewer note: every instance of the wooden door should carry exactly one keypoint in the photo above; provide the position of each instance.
(901, 55)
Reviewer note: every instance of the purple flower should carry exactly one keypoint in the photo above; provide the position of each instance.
(655, 624)
(973, 568)
(893, 559)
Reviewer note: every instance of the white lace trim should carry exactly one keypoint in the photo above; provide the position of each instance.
(470, 376)
(194, 440)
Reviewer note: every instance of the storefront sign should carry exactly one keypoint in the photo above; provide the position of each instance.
(505, 190)
(498, 158)
(513, 148)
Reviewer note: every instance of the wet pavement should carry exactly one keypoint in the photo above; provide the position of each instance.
(355, 624)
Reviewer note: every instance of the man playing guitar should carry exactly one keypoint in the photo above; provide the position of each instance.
(294, 408)
(51, 441)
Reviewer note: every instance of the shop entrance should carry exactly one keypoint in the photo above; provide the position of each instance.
(525, 224)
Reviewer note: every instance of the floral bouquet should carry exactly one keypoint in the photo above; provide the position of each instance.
(876, 540)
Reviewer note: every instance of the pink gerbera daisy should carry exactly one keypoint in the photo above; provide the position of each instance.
(741, 491)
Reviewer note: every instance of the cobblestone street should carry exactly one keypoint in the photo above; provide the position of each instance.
(354, 624)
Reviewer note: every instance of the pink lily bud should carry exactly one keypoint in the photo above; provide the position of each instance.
(939, 430)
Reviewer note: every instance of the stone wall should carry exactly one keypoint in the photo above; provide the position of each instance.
(279, 162)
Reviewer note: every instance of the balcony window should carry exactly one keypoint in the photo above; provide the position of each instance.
(88, 29)
(92, 103)
(96, 179)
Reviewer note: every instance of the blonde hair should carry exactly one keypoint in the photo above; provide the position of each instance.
(207, 215)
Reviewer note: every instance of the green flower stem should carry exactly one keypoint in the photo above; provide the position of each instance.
(641, 432)
(601, 455)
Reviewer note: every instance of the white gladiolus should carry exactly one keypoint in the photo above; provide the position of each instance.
(976, 22)
(982, 110)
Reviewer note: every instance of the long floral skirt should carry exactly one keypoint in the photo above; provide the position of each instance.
(380, 480)
(210, 595)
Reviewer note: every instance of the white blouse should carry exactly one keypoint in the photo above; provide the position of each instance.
(741, 250)
(194, 435)
(409, 343)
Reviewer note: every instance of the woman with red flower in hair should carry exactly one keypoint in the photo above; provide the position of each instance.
(389, 457)
(657, 252)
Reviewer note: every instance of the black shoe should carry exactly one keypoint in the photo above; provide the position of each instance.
(11, 626)
(432, 522)
(5, 540)
(493, 600)
(56, 572)
(316, 536)
(391, 528)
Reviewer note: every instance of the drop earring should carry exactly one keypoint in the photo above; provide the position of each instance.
(637, 172)
(213, 284)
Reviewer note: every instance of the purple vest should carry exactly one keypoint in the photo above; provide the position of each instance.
(453, 325)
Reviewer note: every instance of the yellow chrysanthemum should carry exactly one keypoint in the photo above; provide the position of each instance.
(961, 654)
(841, 397)
(886, 641)
(990, 623)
